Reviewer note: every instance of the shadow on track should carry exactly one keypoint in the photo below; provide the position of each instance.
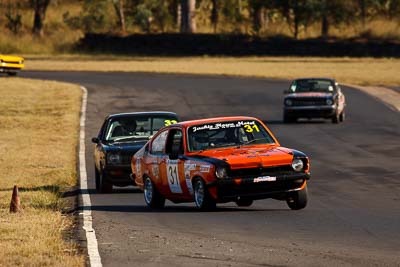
(301, 122)
(169, 209)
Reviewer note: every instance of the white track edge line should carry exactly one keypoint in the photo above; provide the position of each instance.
(92, 246)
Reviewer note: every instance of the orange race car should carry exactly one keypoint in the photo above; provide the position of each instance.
(219, 160)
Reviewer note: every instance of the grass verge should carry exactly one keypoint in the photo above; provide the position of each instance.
(361, 71)
(39, 124)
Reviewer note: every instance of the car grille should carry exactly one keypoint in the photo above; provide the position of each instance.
(309, 102)
(269, 171)
(229, 192)
(126, 158)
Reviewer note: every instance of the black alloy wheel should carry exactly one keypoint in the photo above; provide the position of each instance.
(244, 202)
(298, 200)
(202, 197)
(102, 185)
(152, 197)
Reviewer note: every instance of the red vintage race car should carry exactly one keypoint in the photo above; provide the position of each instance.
(219, 160)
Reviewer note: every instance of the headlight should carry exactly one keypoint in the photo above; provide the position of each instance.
(221, 172)
(288, 102)
(329, 102)
(21, 61)
(114, 159)
(297, 165)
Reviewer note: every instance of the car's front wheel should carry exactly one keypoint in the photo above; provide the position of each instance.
(243, 202)
(289, 119)
(102, 186)
(298, 200)
(152, 197)
(202, 197)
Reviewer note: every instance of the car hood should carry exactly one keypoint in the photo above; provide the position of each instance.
(252, 157)
(125, 147)
(310, 94)
(10, 58)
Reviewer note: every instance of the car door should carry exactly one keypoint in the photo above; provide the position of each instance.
(99, 154)
(155, 158)
(179, 185)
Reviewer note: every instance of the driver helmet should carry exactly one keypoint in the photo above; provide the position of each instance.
(201, 140)
(129, 125)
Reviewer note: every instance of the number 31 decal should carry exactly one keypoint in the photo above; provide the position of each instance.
(250, 128)
(173, 176)
(169, 122)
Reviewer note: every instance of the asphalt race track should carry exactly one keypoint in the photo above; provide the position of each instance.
(353, 216)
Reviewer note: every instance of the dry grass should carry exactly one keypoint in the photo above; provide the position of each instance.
(38, 133)
(59, 37)
(362, 71)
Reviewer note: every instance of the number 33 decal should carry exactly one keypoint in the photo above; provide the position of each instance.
(169, 122)
(173, 176)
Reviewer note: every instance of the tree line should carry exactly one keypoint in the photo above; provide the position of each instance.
(250, 16)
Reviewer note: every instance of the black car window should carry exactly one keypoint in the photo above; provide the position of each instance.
(158, 144)
(227, 134)
(174, 144)
(135, 128)
(312, 85)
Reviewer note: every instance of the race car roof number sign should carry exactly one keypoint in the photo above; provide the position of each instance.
(219, 125)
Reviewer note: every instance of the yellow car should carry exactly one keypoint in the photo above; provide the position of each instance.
(11, 64)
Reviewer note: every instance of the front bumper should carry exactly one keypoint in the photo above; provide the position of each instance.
(119, 175)
(310, 111)
(231, 189)
(10, 67)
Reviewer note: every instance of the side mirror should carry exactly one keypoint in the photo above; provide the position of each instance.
(95, 140)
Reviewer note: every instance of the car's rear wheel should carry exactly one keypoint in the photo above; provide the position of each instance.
(342, 116)
(243, 202)
(336, 118)
(102, 185)
(298, 200)
(202, 197)
(289, 119)
(152, 197)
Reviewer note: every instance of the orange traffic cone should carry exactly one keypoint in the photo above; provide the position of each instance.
(15, 205)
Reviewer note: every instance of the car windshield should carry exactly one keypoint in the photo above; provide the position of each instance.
(227, 134)
(312, 85)
(136, 128)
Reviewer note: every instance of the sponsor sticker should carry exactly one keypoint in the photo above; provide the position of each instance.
(227, 125)
(156, 170)
(204, 168)
(138, 168)
(188, 168)
(264, 179)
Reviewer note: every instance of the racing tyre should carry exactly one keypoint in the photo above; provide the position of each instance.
(202, 197)
(342, 116)
(102, 186)
(336, 118)
(288, 119)
(152, 197)
(243, 202)
(298, 200)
